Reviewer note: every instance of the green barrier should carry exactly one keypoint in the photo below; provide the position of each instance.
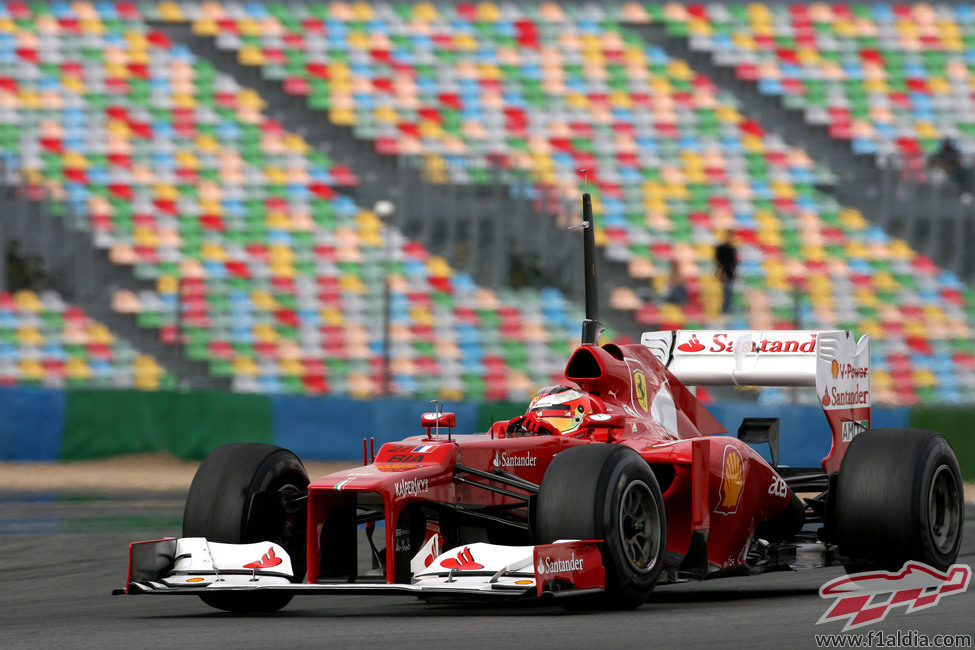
(955, 424)
(100, 423)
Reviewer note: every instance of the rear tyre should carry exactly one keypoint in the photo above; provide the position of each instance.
(232, 500)
(899, 497)
(607, 492)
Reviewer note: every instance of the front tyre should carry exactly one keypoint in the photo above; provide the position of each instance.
(899, 498)
(244, 493)
(607, 492)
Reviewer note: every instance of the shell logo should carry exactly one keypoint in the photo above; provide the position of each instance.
(640, 391)
(732, 482)
(835, 369)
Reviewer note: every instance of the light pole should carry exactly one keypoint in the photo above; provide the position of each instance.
(384, 210)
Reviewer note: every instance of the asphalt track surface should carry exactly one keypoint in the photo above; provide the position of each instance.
(60, 557)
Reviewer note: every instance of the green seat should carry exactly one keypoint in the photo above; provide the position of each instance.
(292, 384)
(677, 29)
(148, 319)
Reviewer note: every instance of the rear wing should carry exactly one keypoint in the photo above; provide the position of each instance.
(831, 360)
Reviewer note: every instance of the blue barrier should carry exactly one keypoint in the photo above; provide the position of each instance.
(804, 435)
(31, 422)
(333, 428)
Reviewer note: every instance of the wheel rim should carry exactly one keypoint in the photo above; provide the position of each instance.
(943, 509)
(639, 527)
(291, 525)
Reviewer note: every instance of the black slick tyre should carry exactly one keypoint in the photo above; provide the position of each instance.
(237, 497)
(606, 492)
(899, 497)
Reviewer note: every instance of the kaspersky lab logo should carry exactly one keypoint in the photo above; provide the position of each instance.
(866, 598)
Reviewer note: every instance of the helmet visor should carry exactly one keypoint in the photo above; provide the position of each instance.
(564, 419)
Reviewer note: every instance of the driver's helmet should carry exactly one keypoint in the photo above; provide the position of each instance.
(562, 407)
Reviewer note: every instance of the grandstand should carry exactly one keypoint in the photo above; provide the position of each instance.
(164, 131)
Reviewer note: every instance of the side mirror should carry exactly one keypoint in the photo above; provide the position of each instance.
(440, 420)
(605, 420)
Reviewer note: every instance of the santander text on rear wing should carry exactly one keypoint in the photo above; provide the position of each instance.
(833, 361)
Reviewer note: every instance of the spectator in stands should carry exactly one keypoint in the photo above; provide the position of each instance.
(23, 271)
(725, 267)
(676, 291)
(948, 159)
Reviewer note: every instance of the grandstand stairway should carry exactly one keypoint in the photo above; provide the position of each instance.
(492, 218)
(86, 277)
(927, 216)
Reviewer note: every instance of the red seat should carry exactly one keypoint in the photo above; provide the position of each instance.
(296, 86)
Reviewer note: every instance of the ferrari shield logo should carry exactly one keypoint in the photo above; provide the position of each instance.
(640, 391)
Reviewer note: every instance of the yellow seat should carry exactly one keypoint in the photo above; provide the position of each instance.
(184, 100)
(362, 11)
(923, 378)
(245, 367)
(249, 98)
(265, 333)
(30, 370)
(872, 327)
(263, 300)
(75, 368)
(170, 12)
(29, 336)
(291, 368)
(27, 301)
(213, 251)
(342, 116)
(331, 316)
(149, 381)
(146, 364)
(865, 297)
(438, 266)
(852, 219)
(145, 237)
(422, 316)
(98, 333)
(353, 283)
(296, 143)
(880, 379)
(167, 284)
(207, 143)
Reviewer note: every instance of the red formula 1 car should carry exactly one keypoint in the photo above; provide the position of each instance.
(613, 482)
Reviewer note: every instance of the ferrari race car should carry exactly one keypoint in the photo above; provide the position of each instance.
(614, 481)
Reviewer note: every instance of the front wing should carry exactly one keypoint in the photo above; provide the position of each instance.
(196, 566)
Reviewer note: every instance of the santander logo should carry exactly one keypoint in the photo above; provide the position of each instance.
(692, 345)
(267, 561)
(463, 562)
(771, 343)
